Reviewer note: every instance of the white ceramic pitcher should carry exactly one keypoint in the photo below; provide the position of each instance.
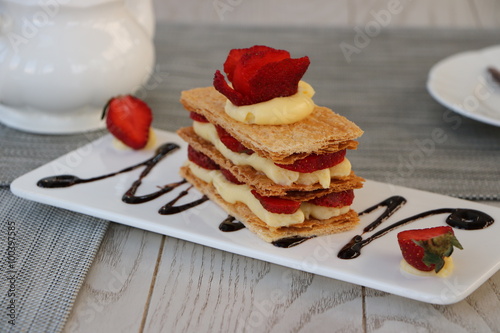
(61, 60)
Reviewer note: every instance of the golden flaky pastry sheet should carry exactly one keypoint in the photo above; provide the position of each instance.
(241, 212)
(260, 182)
(323, 131)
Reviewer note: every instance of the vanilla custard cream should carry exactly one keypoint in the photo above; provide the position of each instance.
(277, 111)
(278, 175)
(151, 144)
(443, 273)
(233, 193)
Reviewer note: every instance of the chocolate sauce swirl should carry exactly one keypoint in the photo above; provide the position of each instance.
(170, 209)
(469, 219)
(129, 196)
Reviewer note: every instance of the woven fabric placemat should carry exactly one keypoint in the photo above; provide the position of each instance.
(46, 253)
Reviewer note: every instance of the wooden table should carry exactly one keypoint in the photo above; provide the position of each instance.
(145, 282)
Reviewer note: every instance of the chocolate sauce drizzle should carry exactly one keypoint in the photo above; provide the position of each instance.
(230, 224)
(459, 218)
(468, 219)
(288, 242)
(170, 209)
(70, 180)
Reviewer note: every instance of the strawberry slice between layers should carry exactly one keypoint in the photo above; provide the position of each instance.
(335, 199)
(315, 162)
(197, 117)
(230, 177)
(277, 205)
(201, 159)
(230, 142)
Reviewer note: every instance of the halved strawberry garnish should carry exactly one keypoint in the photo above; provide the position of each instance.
(277, 205)
(128, 118)
(315, 162)
(425, 249)
(230, 177)
(259, 74)
(257, 51)
(335, 199)
(201, 159)
(230, 142)
(198, 117)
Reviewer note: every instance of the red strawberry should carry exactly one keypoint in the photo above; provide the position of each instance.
(198, 117)
(201, 159)
(259, 74)
(231, 143)
(230, 177)
(425, 249)
(258, 51)
(335, 199)
(128, 118)
(277, 205)
(315, 162)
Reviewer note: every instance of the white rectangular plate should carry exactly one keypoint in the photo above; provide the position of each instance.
(377, 267)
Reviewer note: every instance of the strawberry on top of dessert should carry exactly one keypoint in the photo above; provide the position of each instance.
(258, 74)
(266, 86)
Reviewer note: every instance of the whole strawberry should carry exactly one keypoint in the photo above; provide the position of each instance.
(425, 249)
(129, 119)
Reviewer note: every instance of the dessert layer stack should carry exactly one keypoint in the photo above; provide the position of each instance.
(282, 181)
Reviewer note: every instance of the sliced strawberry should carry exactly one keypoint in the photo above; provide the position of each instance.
(259, 51)
(277, 79)
(250, 64)
(231, 143)
(225, 89)
(201, 159)
(315, 162)
(335, 199)
(277, 205)
(230, 177)
(259, 74)
(425, 249)
(198, 117)
(128, 118)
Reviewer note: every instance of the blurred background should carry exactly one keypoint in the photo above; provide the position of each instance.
(412, 13)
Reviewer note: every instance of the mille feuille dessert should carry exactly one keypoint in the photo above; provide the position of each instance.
(263, 151)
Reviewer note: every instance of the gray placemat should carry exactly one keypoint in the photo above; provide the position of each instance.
(22, 152)
(46, 253)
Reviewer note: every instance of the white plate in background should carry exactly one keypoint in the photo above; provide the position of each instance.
(463, 84)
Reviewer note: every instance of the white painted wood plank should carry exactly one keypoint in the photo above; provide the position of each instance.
(203, 289)
(116, 290)
(477, 313)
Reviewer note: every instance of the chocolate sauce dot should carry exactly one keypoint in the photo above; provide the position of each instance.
(230, 224)
(58, 181)
(469, 219)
